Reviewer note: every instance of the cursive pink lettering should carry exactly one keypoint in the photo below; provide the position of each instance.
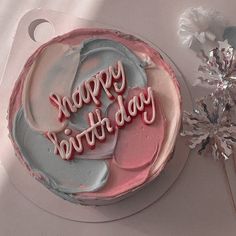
(89, 91)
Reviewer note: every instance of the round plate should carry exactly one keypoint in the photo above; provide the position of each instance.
(36, 193)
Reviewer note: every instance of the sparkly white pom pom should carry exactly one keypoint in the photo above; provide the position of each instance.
(200, 26)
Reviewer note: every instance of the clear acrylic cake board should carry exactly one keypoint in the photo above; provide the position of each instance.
(35, 28)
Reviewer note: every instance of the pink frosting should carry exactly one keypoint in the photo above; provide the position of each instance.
(146, 139)
(137, 148)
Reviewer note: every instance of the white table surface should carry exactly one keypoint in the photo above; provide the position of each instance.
(199, 203)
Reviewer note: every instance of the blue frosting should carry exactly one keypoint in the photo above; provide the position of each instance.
(63, 177)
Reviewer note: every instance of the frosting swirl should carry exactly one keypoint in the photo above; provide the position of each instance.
(120, 164)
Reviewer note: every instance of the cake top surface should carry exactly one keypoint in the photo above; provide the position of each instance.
(94, 114)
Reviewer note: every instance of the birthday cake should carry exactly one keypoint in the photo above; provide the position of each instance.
(94, 115)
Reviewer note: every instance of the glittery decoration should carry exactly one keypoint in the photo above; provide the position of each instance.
(210, 127)
(219, 70)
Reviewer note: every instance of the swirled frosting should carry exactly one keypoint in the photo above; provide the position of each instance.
(143, 120)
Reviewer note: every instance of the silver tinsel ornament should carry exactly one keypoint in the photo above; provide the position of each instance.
(210, 127)
(219, 70)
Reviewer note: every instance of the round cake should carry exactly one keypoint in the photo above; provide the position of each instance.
(94, 115)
